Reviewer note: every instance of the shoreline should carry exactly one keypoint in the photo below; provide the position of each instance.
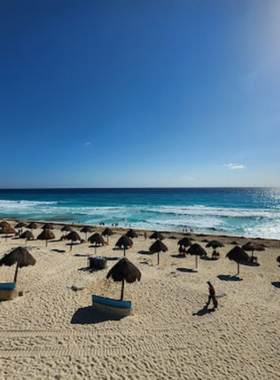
(199, 237)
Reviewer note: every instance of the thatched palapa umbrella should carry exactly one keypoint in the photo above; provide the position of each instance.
(7, 230)
(32, 226)
(238, 255)
(19, 256)
(48, 226)
(96, 239)
(107, 232)
(214, 244)
(123, 271)
(157, 235)
(157, 247)
(66, 228)
(46, 235)
(20, 225)
(185, 242)
(132, 234)
(125, 242)
(253, 246)
(73, 236)
(196, 250)
(86, 229)
(4, 223)
(28, 235)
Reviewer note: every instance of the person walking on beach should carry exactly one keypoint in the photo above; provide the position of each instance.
(212, 296)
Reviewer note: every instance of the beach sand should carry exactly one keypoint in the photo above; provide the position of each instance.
(52, 332)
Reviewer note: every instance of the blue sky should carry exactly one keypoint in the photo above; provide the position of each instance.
(146, 93)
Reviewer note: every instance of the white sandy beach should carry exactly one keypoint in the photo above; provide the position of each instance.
(51, 332)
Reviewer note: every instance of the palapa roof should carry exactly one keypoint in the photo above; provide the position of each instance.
(4, 224)
(124, 270)
(132, 234)
(32, 225)
(196, 249)
(158, 246)
(27, 235)
(124, 241)
(7, 229)
(86, 229)
(20, 256)
(237, 254)
(157, 235)
(20, 225)
(214, 244)
(66, 228)
(96, 239)
(48, 226)
(73, 236)
(46, 235)
(107, 232)
(185, 242)
(252, 246)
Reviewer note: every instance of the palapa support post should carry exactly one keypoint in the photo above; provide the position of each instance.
(196, 261)
(238, 268)
(124, 251)
(122, 291)
(16, 273)
(158, 258)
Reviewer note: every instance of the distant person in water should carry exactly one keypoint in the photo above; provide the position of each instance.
(212, 296)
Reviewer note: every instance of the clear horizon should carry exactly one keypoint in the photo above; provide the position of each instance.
(150, 94)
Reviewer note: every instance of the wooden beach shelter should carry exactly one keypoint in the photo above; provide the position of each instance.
(123, 271)
(132, 234)
(196, 250)
(238, 255)
(107, 232)
(46, 234)
(125, 242)
(73, 236)
(157, 247)
(97, 240)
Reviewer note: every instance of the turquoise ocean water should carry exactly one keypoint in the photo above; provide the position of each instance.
(252, 212)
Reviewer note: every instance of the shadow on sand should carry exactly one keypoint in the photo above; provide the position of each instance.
(187, 270)
(204, 311)
(208, 258)
(227, 277)
(145, 253)
(59, 250)
(276, 284)
(87, 315)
